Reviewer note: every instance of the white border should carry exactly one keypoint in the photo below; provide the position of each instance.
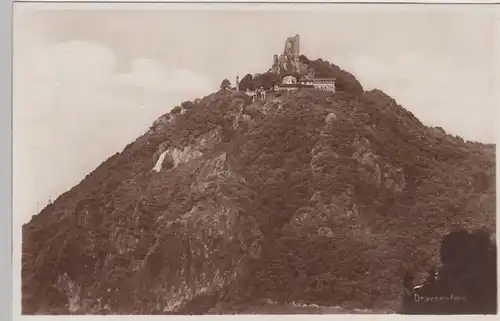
(5, 172)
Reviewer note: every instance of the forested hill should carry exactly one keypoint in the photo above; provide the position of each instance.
(308, 197)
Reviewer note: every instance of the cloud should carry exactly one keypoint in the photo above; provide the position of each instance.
(65, 64)
(72, 111)
(146, 73)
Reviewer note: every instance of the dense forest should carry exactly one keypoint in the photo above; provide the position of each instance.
(307, 197)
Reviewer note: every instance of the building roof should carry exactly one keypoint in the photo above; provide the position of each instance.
(294, 85)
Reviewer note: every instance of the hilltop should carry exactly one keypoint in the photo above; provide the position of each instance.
(307, 196)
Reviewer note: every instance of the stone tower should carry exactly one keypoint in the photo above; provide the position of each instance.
(289, 59)
(237, 82)
(296, 47)
(292, 47)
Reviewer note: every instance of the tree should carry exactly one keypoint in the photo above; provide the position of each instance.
(188, 105)
(225, 84)
(176, 110)
(246, 83)
(257, 81)
(303, 59)
(268, 80)
(468, 269)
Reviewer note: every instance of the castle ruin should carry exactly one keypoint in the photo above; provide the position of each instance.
(290, 55)
(292, 47)
(293, 73)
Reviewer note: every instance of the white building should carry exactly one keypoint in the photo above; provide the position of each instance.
(306, 81)
(289, 80)
(326, 84)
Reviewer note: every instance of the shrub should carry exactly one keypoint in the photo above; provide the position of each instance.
(246, 83)
(176, 110)
(225, 84)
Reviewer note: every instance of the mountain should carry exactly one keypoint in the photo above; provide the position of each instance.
(228, 205)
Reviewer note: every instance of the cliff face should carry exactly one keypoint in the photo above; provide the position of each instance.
(306, 197)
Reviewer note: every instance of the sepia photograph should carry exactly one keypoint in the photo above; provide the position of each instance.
(222, 159)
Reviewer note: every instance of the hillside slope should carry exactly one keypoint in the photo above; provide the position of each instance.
(307, 197)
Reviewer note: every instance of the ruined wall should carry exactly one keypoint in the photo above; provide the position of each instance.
(292, 47)
(296, 47)
(289, 59)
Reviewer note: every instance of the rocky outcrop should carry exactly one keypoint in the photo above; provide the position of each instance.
(173, 157)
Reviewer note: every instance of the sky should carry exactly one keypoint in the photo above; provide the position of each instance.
(89, 79)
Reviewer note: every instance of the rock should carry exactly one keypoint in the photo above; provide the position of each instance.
(330, 118)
